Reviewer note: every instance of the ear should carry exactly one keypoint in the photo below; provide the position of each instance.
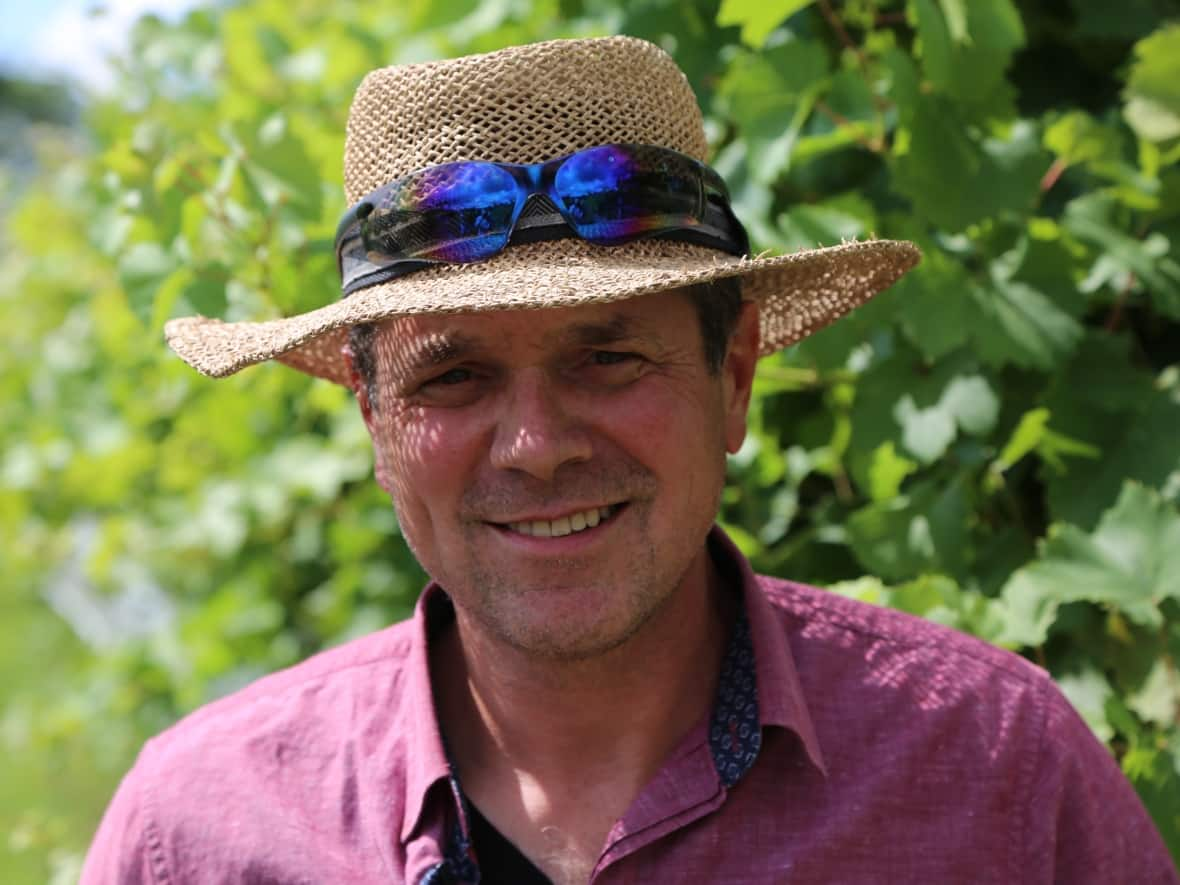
(361, 390)
(741, 359)
(357, 385)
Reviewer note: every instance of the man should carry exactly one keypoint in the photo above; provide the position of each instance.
(551, 328)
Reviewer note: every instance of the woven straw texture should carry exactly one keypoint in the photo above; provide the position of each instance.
(528, 104)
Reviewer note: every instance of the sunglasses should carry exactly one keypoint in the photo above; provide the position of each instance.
(470, 211)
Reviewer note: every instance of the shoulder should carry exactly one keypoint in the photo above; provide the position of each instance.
(914, 718)
(367, 671)
(302, 712)
(925, 695)
(292, 757)
(821, 624)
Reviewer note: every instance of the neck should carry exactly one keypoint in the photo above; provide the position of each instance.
(606, 722)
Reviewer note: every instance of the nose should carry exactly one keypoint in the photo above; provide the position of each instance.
(536, 431)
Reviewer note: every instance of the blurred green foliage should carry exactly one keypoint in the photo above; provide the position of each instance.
(995, 440)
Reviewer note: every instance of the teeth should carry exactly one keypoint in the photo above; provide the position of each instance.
(565, 525)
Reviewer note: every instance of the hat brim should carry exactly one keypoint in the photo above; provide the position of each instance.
(799, 294)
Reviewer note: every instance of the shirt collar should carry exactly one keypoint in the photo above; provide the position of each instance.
(780, 696)
(425, 756)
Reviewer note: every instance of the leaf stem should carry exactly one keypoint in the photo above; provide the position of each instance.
(879, 103)
(825, 7)
(1054, 172)
(875, 144)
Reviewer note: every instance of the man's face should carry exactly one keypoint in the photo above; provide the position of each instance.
(556, 471)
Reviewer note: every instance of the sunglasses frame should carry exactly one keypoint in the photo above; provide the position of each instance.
(714, 224)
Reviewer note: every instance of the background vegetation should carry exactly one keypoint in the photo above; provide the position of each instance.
(996, 440)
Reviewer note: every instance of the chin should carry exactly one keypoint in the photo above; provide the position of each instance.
(573, 624)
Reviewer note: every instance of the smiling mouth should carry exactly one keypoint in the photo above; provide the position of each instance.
(565, 525)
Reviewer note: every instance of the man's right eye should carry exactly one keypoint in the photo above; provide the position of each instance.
(451, 377)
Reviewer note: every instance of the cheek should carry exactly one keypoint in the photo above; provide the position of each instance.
(676, 419)
(420, 456)
(677, 434)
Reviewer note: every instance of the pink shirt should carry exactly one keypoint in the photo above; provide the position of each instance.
(848, 744)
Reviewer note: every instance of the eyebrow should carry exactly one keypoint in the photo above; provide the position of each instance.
(438, 349)
(617, 328)
(441, 348)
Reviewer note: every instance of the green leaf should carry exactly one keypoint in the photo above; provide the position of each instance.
(758, 18)
(1010, 322)
(206, 295)
(1032, 433)
(823, 224)
(931, 596)
(1157, 700)
(142, 270)
(955, 13)
(972, 403)
(1025, 438)
(967, 403)
(992, 175)
(1076, 137)
(967, 44)
(1153, 87)
(436, 13)
(1133, 425)
(925, 432)
(1127, 20)
(1088, 692)
(887, 472)
(902, 538)
(1130, 563)
(1150, 260)
(937, 306)
(770, 95)
(280, 169)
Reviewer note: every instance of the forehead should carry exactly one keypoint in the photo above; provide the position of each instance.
(662, 319)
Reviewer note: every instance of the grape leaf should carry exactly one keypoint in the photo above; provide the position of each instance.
(991, 175)
(1077, 137)
(825, 224)
(1149, 260)
(1153, 87)
(1133, 425)
(758, 18)
(1140, 445)
(769, 95)
(1130, 563)
(1089, 691)
(1010, 322)
(1157, 700)
(924, 531)
(142, 270)
(964, 53)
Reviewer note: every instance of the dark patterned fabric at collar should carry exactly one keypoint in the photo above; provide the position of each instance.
(735, 732)
(458, 866)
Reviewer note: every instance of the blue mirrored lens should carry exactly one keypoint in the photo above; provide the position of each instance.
(458, 212)
(616, 192)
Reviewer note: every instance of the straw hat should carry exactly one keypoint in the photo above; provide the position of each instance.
(528, 104)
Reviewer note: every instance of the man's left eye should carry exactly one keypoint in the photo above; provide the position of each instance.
(612, 357)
